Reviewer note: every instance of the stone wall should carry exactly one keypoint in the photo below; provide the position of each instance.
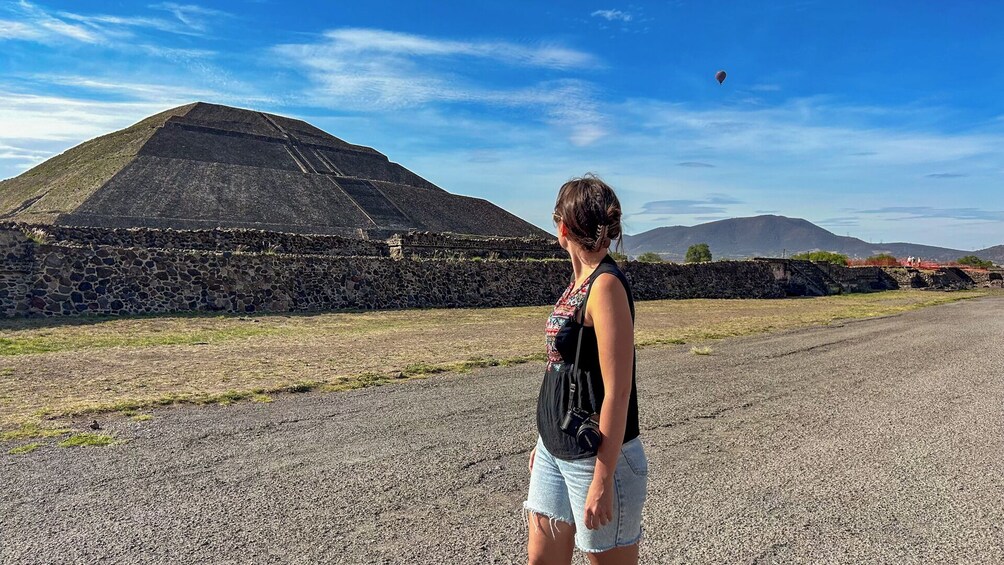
(988, 278)
(859, 279)
(246, 240)
(17, 264)
(42, 275)
(947, 278)
(455, 246)
(54, 279)
(108, 280)
(719, 279)
(819, 278)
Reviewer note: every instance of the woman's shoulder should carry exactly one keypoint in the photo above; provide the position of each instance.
(613, 272)
(610, 284)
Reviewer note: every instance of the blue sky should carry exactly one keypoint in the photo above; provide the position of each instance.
(882, 120)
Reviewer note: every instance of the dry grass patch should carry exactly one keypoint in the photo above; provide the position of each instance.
(31, 430)
(87, 440)
(22, 449)
(68, 367)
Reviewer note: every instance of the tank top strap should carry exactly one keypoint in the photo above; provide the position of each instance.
(608, 265)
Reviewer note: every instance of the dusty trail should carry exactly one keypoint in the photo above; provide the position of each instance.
(872, 442)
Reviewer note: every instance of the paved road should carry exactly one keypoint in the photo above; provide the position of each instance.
(879, 441)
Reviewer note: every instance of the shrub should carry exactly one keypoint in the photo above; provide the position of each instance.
(650, 257)
(822, 256)
(38, 235)
(619, 257)
(883, 260)
(698, 253)
(974, 261)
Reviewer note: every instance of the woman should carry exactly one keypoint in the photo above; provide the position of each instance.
(580, 495)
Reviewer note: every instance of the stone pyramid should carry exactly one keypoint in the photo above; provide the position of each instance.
(205, 165)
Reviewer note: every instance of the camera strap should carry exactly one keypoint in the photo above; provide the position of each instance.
(575, 373)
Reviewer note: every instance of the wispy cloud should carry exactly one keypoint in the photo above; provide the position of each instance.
(379, 70)
(341, 42)
(30, 156)
(915, 212)
(38, 118)
(946, 175)
(33, 22)
(193, 16)
(695, 165)
(612, 15)
(714, 204)
(805, 128)
(839, 222)
(151, 91)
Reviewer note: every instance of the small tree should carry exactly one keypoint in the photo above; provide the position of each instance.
(619, 257)
(883, 260)
(823, 256)
(974, 261)
(698, 253)
(650, 257)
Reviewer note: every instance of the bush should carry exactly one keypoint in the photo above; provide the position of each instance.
(619, 257)
(698, 253)
(650, 257)
(823, 256)
(974, 261)
(883, 260)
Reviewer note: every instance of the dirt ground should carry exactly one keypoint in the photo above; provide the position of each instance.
(53, 369)
(868, 442)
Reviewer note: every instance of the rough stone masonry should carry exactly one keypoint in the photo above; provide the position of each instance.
(72, 271)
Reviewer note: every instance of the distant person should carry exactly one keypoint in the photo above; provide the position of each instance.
(588, 471)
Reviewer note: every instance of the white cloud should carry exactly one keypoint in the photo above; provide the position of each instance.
(35, 23)
(30, 156)
(810, 129)
(191, 15)
(35, 118)
(161, 93)
(612, 15)
(358, 40)
(19, 30)
(378, 70)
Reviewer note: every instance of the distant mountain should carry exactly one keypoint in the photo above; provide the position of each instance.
(995, 254)
(772, 236)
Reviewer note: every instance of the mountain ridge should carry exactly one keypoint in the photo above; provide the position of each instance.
(773, 236)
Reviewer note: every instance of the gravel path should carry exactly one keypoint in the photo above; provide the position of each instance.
(877, 441)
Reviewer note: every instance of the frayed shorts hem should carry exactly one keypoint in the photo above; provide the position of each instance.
(614, 546)
(548, 515)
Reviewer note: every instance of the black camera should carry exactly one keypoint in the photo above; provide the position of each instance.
(580, 424)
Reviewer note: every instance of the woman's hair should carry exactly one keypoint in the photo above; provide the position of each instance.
(590, 210)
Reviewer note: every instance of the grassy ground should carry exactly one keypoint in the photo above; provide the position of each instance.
(51, 370)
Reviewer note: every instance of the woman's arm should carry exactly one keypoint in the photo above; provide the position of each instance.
(611, 315)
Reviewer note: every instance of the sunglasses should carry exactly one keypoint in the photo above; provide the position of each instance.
(556, 218)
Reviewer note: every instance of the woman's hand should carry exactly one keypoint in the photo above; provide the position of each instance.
(533, 453)
(599, 504)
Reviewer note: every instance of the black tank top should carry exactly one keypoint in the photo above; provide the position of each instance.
(562, 335)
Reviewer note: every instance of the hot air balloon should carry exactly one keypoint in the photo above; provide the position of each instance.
(720, 76)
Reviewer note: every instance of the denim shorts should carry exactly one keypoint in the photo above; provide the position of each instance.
(558, 490)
